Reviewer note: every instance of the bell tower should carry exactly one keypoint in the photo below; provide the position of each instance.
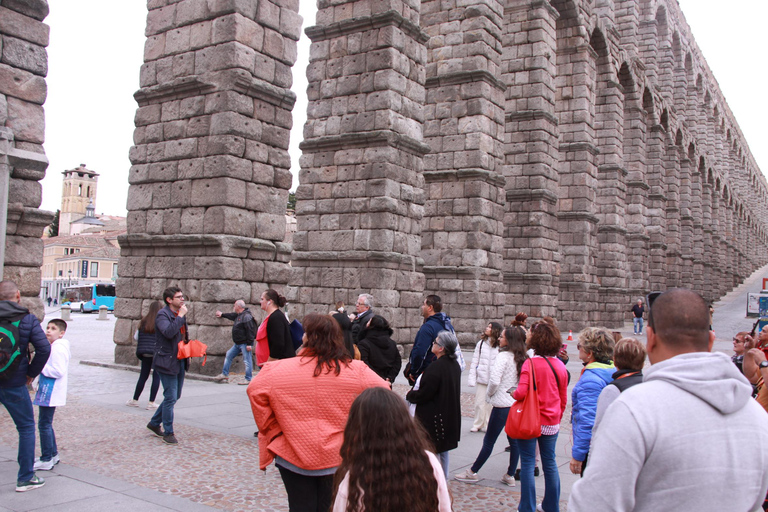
(78, 191)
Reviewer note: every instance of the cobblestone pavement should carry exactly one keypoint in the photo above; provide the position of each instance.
(215, 463)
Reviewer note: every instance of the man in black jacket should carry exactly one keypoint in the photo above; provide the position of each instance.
(13, 383)
(170, 329)
(364, 308)
(243, 334)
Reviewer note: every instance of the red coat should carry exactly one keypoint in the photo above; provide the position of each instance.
(551, 399)
(301, 417)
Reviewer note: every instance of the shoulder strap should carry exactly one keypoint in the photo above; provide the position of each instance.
(533, 373)
(557, 379)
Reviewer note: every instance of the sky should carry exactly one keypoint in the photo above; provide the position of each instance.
(95, 54)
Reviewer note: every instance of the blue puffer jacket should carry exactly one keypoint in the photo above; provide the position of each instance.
(584, 399)
(421, 355)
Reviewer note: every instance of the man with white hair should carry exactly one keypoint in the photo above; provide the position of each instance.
(364, 308)
(637, 320)
(243, 335)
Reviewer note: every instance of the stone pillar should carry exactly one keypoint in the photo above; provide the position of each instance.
(464, 125)
(709, 277)
(361, 193)
(686, 223)
(531, 255)
(23, 67)
(672, 214)
(697, 186)
(656, 209)
(210, 175)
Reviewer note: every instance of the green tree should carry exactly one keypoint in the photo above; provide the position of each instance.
(291, 202)
(53, 227)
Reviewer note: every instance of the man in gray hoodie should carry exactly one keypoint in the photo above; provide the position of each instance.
(689, 437)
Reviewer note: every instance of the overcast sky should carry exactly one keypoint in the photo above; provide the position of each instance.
(96, 50)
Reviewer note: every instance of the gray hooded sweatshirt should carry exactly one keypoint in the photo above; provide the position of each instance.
(690, 437)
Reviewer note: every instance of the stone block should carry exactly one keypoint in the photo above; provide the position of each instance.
(26, 121)
(192, 220)
(127, 308)
(218, 192)
(219, 268)
(227, 166)
(23, 251)
(270, 226)
(26, 278)
(29, 193)
(123, 334)
(171, 267)
(19, 53)
(225, 56)
(235, 27)
(229, 221)
(224, 291)
(22, 84)
(37, 9)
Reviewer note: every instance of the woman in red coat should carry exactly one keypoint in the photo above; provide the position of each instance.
(301, 405)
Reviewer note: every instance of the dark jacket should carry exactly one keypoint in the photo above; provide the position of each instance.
(625, 379)
(380, 353)
(29, 332)
(438, 403)
(346, 329)
(279, 336)
(244, 329)
(170, 329)
(421, 355)
(358, 325)
(146, 344)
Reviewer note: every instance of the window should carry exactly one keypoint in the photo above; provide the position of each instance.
(114, 270)
(60, 273)
(94, 269)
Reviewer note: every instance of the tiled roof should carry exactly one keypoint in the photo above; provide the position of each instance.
(109, 252)
(76, 241)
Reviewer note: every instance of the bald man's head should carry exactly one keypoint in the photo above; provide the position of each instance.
(9, 291)
(680, 320)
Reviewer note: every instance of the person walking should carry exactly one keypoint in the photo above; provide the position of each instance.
(382, 439)
(170, 329)
(13, 387)
(243, 336)
(482, 362)
(145, 351)
(503, 378)
(301, 405)
(438, 397)
(637, 321)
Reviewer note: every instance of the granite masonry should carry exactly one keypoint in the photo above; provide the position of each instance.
(559, 157)
(23, 67)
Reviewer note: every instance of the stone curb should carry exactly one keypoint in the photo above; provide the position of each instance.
(136, 369)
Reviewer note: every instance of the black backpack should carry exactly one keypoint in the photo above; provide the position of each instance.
(10, 353)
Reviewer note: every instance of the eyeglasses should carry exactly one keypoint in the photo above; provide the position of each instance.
(178, 296)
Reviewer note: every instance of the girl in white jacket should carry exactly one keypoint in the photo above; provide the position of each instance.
(52, 392)
(482, 361)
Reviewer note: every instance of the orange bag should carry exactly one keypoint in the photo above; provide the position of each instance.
(524, 419)
(193, 348)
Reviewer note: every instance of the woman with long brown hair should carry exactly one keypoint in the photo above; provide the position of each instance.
(387, 463)
(301, 405)
(145, 351)
(486, 351)
(503, 378)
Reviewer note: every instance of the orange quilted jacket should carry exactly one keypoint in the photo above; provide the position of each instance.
(301, 417)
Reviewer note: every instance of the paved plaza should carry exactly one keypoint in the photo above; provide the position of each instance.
(111, 461)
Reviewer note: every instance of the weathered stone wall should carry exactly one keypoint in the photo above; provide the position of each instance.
(559, 157)
(210, 175)
(23, 67)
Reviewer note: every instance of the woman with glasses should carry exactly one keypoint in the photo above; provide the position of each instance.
(552, 387)
(437, 400)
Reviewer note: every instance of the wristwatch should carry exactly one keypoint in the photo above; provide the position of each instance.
(763, 364)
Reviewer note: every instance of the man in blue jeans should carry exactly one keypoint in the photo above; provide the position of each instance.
(13, 389)
(637, 322)
(243, 335)
(170, 329)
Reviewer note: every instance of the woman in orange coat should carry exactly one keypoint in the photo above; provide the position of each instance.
(311, 395)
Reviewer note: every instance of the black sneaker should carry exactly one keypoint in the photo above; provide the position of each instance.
(517, 474)
(155, 429)
(536, 471)
(170, 439)
(34, 483)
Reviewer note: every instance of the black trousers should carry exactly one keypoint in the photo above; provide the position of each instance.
(146, 368)
(307, 493)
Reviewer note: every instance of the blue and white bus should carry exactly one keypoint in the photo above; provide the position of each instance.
(88, 298)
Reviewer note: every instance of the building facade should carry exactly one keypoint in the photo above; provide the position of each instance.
(78, 191)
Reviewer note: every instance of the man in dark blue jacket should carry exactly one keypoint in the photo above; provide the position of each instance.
(434, 322)
(243, 335)
(13, 389)
(170, 329)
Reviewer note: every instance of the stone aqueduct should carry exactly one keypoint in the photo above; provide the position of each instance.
(561, 157)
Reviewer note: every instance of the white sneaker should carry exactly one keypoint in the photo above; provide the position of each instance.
(467, 476)
(132, 403)
(152, 405)
(509, 480)
(222, 378)
(539, 508)
(46, 465)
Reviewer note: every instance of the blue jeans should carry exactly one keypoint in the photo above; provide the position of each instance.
(637, 324)
(19, 406)
(444, 458)
(527, 448)
(247, 359)
(496, 423)
(171, 392)
(48, 448)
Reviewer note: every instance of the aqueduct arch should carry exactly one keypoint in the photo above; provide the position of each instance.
(556, 156)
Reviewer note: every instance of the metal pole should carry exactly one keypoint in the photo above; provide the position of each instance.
(6, 140)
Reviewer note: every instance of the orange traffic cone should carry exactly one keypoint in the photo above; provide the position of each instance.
(570, 336)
